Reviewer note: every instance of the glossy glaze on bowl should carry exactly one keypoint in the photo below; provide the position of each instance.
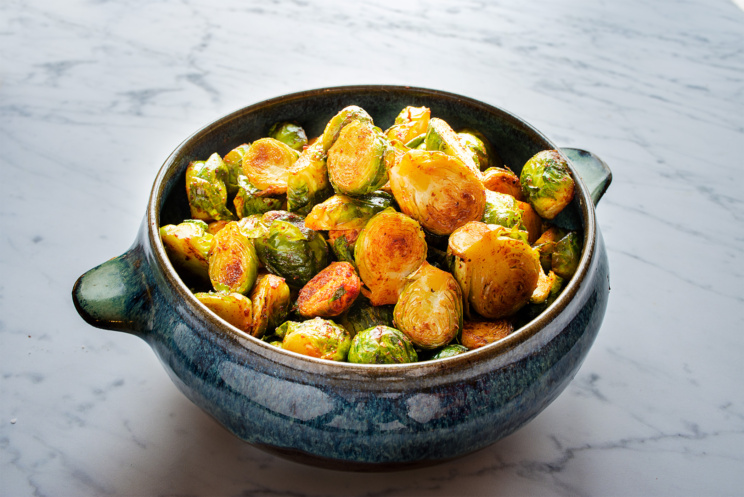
(341, 415)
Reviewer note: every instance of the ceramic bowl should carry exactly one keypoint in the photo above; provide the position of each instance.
(340, 415)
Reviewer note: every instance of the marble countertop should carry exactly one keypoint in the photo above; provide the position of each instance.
(95, 95)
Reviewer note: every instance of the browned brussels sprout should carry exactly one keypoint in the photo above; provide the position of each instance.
(363, 315)
(341, 212)
(291, 134)
(547, 183)
(250, 200)
(496, 272)
(390, 247)
(450, 350)
(233, 263)
(271, 299)
(429, 310)
(317, 338)
(266, 164)
(437, 190)
(330, 293)
(206, 189)
(502, 180)
(234, 308)
(545, 284)
(290, 250)
(357, 160)
(381, 345)
(307, 180)
(342, 244)
(216, 226)
(234, 162)
(187, 245)
(477, 334)
(339, 121)
(441, 137)
(412, 122)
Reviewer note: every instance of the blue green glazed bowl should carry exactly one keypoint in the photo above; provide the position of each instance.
(340, 415)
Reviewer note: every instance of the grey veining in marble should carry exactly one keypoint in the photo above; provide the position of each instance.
(94, 95)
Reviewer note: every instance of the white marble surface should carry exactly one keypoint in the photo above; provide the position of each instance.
(95, 94)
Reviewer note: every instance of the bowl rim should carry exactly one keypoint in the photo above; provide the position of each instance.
(301, 362)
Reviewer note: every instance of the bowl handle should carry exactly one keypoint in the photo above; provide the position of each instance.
(593, 171)
(116, 295)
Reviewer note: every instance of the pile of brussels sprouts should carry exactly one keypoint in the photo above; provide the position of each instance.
(371, 246)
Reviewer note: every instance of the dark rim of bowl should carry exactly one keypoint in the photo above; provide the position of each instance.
(518, 337)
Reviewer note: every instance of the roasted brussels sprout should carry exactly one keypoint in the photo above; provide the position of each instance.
(477, 334)
(356, 161)
(266, 163)
(566, 255)
(502, 209)
(252, 226)
(450, 350)
(250, 200)
(342, 244)
(206, 189)
(341, 212)
(381, 345)
(547, 183)
(292, 251)
(536, 307)
(441, 137)
(437, 190)
(307, 180)
(545, 284)
(234, 308)
(479, 147)
(271, 299)
(336, 124)
(390, 247)
(331, 292)
(502, 180)
(363, 315)
(233, 264)
(234, 162)
(429, 310)
(187, 245)
(412, 122)
(317, 338)
(291, 134)
(496, 272)
(216, 226)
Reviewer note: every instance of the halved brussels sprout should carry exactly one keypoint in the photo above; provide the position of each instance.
(479, 147)
(216, 226)
(336, 124)
(450, 350)
(356, 161)
(293, 252)
(234, 162)
(381, 345)
(547, 183)
(331, 292)
(234, 308)
(187, 245)
(307, 180)
(502, 180)
(233, 263)
(410, 123)
(390, 247)
(429, 310)
(341, 212)
(437, 190)
(266, 164)
(477, 334)
(566, 255)
(496, 272)
(342, 244)
(206, 189)
(441, 137)
(250, 200)
(363, 315)
(317, 338)
(271, 300)
(291, 134)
